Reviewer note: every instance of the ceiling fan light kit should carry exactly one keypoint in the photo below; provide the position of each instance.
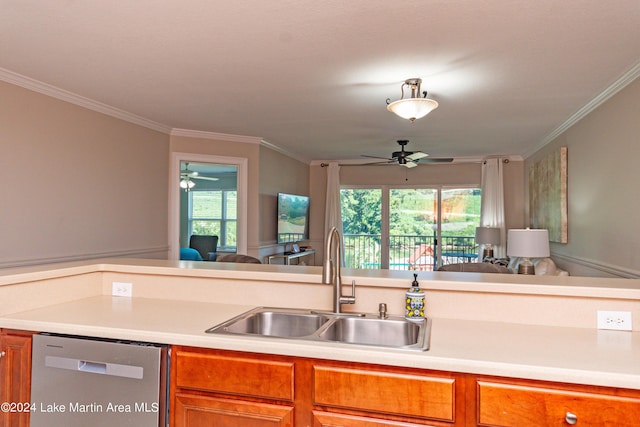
(187, 184)
(414, 107)
(187, 176)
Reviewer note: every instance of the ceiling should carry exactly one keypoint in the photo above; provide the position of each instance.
(311, 77)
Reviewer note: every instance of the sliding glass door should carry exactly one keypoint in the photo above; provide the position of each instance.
(413, 228)
(409, 228)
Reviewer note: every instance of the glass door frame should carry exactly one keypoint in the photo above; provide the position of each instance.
(385, 214)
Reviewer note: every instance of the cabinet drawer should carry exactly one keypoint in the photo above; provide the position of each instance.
(203, 411)
(235, 375)
(326, 419)
(518, 405)
(384, 392)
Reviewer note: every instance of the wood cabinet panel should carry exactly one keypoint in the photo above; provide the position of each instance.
(384, 392)
(235, 375)
(203, 411)
(501, 404)
(15, 376)
(326, 419)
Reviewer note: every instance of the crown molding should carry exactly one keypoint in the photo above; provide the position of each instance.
(215, 136)
(284, 152)
(614, 88)
(72, 98)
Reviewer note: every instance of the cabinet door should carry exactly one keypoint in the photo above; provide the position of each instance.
(203, 411)
(15, 378)
(517, 405)
(360, 389)
(326, 419)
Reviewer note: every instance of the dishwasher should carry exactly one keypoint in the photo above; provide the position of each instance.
(82, 381)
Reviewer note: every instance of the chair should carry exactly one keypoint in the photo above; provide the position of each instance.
(205, 245)
(238, 258)
(189, 254)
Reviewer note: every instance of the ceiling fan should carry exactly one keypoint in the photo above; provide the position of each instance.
(187, 176)
(408, 159)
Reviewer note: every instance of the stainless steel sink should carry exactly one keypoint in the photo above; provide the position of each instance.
(344, 328)
(268, 322)
(396, 332)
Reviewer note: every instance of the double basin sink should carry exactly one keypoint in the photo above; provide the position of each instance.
(347, 328)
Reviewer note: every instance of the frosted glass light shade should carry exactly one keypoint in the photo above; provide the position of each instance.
(528, 243)
(488, 235)
(412, 108)
(187, 184)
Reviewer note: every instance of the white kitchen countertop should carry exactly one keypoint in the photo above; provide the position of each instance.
(572, 355)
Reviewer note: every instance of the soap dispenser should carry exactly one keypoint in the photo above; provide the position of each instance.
(414, 309)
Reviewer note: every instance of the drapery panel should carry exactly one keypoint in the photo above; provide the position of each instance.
(492, 208)
(333, 214)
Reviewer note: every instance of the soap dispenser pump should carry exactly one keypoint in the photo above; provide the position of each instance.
(414, 308)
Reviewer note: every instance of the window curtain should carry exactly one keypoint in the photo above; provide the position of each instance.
(492, 207)
(333, 214)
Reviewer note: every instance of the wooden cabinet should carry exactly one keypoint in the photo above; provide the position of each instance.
(15, 377)
(384, 392)
(201, 411)
(328, 419)
(510, 402)
(212, 387)
(226, 388)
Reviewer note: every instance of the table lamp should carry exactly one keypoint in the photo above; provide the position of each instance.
(528, 244)
(487, 236)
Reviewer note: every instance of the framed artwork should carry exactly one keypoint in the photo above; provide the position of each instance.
(548, 195)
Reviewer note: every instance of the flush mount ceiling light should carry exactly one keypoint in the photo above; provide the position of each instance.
(414, 107)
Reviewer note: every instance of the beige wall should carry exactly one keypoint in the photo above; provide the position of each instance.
(464, 174)
(278, 174)
(603, 202)
(77, 183)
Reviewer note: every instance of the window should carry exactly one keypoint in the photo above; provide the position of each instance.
(409, 228)
(214, 212)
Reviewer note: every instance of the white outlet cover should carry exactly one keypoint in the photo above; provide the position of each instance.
(121, 289)
(614, 320)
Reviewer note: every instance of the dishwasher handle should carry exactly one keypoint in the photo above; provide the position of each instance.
(92, 367)
(95, 367)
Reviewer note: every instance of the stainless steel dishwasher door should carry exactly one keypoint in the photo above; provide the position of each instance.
(90, 382)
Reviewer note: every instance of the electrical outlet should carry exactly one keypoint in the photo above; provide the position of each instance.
(121, 289)
(617, 320)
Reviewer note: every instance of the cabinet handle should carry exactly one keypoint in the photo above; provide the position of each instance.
(571, 418)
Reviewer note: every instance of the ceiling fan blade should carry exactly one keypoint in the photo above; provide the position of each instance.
(440, 160)
(375, 157)
(207, 178)
(388, 162)
(409, 164)
(417, 155)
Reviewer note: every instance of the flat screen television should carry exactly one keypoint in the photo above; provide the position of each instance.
(293, 218)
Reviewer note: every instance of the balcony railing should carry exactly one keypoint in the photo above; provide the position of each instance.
(407, 252)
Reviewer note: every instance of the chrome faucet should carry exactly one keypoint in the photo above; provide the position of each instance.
(331, 271)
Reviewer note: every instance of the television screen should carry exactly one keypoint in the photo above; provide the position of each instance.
(293, 218)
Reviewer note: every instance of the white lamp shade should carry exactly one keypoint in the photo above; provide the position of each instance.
(528, 243)
(412, 108)
(488, 235)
